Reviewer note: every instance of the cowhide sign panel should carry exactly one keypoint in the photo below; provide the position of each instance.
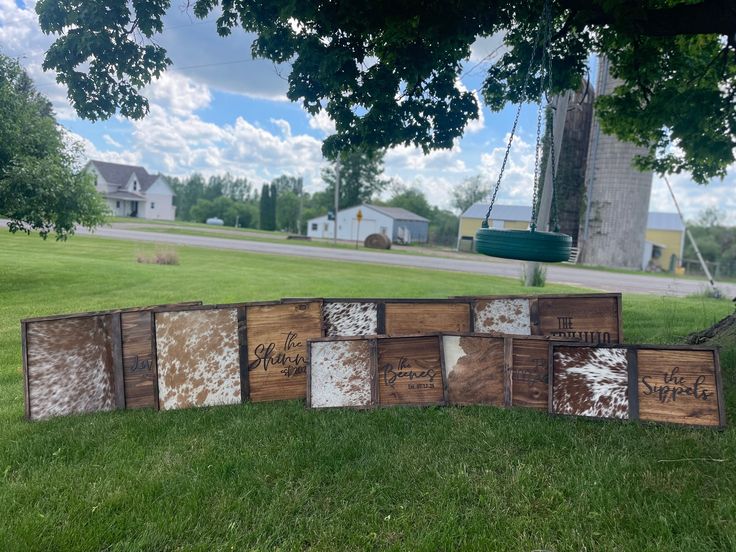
(138, 359)
(410, 371)
(198, 358)
(69, 365)
(588, 319)
(342, 318)
(341, 373)
(504, 315)
(474, 368)
(277, 348)
(679, 386)
(590, 381)
(408, 318)
(530, 360)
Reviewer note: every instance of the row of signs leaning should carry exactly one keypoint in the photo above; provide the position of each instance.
(559, 353)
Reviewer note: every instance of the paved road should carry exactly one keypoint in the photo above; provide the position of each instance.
(595, 279)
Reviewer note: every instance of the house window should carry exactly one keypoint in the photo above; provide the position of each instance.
(153, 205)
(135, 186)
(117, 205)
(314, 226)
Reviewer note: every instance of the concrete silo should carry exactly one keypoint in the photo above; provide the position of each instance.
(614, 220)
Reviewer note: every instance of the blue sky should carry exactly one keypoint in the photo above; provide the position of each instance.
(217, 110)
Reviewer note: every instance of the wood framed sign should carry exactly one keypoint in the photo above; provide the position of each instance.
(74, 363)
(417, 316)
(410, 371)
(359, 372)
(590, 318)
(499, 370)
(277, 335)
(198, 356)
(341, 372)
(680, 385)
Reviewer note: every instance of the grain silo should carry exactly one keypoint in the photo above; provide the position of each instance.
(617, 195)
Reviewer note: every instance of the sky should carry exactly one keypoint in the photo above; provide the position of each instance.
(216, 110)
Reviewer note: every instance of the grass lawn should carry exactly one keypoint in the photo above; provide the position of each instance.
(276, 475)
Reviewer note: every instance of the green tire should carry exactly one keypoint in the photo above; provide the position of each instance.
(524, 245)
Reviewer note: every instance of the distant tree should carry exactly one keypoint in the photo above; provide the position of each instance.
(360, 177)
(470, 191)
(268, 207)
(443, 224)
(411, 199)
(712, 216)
(443, 227)
(40, 188)
(186, 194)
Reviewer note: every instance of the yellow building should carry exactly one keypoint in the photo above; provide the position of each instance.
(665, 235)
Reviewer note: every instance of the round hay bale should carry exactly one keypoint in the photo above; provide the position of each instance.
(377, 241)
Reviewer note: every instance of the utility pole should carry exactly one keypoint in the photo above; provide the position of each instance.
(300, 184)
(716, 292)
(561, 103)
(337, 195)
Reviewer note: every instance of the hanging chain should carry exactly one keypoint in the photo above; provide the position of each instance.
(554, 220)
(484, 224)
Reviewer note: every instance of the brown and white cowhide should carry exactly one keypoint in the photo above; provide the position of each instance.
(474, 368)
(350, 319)
(198, 358)
(70, 366)
(591, 381)
(340, 373)
(509, 316)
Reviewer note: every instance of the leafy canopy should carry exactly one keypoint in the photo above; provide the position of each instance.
(386, 71)
(39, 188)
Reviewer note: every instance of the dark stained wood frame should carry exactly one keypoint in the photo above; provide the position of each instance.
(26, 383)
(534, 305)
(635, 403)
(117, 360)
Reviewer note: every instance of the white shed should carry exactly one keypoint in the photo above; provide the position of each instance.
(398, 224)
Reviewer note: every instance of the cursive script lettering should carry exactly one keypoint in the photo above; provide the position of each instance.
(404, 371)
(141, 365)
(675, 385)
(288, 361)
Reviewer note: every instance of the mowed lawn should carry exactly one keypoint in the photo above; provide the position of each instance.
(278, 476)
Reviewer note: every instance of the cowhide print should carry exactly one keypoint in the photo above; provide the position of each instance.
(350, 319)
(70, 366)
(591, 382)
(509, 316)
(474, 368)
(198, 358)
(340, 373)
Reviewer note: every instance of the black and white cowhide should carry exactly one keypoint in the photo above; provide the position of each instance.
(350, 319)
(591, 382)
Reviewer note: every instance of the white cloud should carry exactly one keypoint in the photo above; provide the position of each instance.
(695, 198)
(321, 121)
(283, 125)
(517, 184)
(178, 93)
(111, 141)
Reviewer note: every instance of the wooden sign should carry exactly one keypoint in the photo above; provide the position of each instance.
(530, 373)
(341, 373)
(277, 335)
(74, 363)
(410, 371)
(589, 318)
(359, 372)
(416, 316)
(198, 357)
(71, 365)
(664, 384)
(475, 370)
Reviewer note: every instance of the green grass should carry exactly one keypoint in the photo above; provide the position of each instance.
(270, 476)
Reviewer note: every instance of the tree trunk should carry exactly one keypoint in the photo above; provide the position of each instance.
(721, 333)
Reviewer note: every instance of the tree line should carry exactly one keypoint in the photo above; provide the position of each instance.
(284, 205)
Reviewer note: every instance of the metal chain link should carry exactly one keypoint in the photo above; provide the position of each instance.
(484, 224)
(554, 219)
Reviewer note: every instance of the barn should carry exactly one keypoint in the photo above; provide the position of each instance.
(400, 225)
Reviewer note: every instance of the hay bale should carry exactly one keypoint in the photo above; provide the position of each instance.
(377, 241)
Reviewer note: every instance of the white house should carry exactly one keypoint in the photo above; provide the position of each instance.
(398, 224)
(131, 192)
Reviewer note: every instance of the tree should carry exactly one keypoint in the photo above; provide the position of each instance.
(268, 207)
(39, 186)
(412, 200)
(386, 72)
(470, 191)
(360, 177)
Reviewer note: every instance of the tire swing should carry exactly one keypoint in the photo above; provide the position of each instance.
(529, 245)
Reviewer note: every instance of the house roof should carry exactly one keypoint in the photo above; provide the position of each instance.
(500, 212)
(119, 175)
(665, 221)
(126, 195)
(397, 213)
